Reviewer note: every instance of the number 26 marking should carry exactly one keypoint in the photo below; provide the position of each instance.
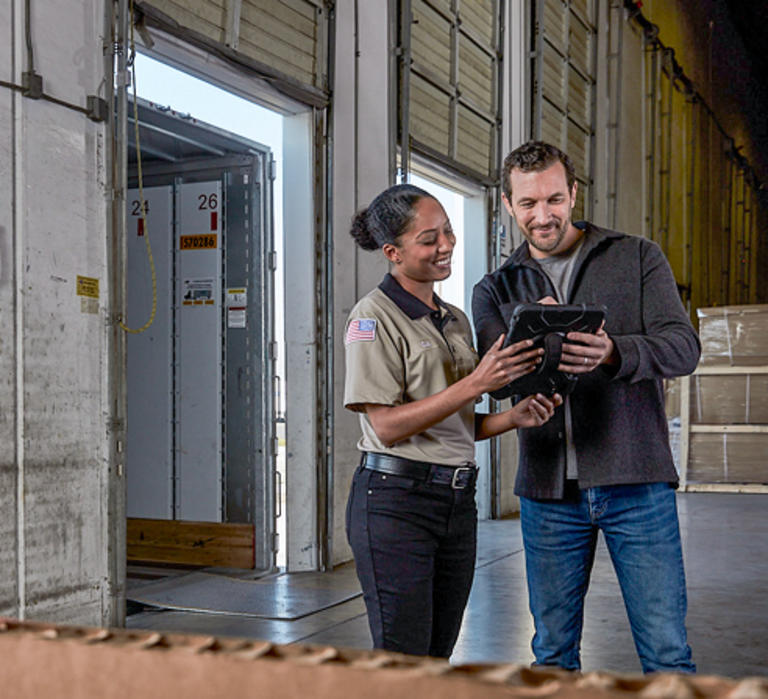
(207, 202)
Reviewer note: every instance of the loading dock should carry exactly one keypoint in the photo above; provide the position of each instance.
(201, 432)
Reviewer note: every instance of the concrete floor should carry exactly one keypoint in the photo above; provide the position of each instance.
(725, 538)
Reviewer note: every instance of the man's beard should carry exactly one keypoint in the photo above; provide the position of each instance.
(552, 243)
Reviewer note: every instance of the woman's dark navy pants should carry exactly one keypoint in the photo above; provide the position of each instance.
(414, 545)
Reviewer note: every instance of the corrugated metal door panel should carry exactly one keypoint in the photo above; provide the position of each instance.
(476, 71)
(283, 34)
(658, 125)
(577, 147)
(453, 74)
(733, 227)
(288, 12)
(551, 127)
(274, 19)
(480, 17)
(579, 98)
(664, 171)
(579, 44)
(288, 36)
(704, 262)
(754, 244)
(431, 41)
(430, 115)
(677, 201)
(585, 10)
(564, 82)
(722, 182)
(443, 6)
(740, 243)
(552, 77)
(553, 23)
(474, 140)
(627, 149)
(206, 17)
(719, 182)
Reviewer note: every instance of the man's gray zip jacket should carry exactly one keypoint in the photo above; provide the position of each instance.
(619, 425)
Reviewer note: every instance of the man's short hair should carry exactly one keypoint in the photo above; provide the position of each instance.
(535, 156)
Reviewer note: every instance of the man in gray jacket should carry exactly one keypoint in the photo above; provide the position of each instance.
(603, 462)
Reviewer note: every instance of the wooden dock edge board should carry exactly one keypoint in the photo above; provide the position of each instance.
(725, 488)
(222, 544)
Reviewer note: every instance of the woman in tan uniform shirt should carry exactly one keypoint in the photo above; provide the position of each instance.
(413, 376)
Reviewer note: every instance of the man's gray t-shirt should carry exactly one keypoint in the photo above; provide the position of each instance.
(559, 269)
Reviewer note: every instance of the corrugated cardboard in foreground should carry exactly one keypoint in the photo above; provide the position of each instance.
(46, 660)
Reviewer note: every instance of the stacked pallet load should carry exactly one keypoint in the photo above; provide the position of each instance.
(724, 404)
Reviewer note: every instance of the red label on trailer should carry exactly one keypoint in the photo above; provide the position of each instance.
(214, 220)
(140, 227)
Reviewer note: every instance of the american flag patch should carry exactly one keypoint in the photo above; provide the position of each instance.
(361, 330)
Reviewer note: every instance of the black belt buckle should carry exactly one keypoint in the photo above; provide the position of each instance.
(455, 477)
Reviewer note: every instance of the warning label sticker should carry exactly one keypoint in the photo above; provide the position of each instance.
(236, 317)
(199, 242)
(237, 297)
(88, 286)
(198, 292)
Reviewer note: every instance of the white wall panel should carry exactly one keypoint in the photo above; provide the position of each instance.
(199, 369)
(57, 450)
(8, 560)
(149, 461)
(360, 172)
(64, 362)
(301, 340)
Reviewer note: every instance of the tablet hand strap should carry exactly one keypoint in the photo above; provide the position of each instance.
(553, 350)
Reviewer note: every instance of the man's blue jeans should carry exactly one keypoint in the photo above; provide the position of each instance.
(640, 526)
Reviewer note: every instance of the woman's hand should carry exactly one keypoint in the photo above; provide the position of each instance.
(534, 411)
(394, 423)
(500, 366)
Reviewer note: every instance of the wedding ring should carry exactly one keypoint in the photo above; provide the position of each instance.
(586, 361)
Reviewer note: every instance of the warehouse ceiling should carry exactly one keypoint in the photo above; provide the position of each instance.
(170, 137)
(751, 20)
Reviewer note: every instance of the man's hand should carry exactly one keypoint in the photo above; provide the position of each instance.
(591, 352)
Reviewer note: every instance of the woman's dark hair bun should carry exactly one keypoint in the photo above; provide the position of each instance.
(387, 217)
(360, 231)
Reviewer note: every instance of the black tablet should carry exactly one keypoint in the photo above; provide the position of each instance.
(547, 325)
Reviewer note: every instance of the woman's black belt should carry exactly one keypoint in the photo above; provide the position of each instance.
(457, 477)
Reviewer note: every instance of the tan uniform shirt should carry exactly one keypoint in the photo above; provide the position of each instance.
(396, 354)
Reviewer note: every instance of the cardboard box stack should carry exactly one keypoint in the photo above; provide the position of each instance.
(732, 337)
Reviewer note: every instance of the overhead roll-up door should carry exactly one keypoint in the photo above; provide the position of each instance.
(449, 79)
(284, 38)
(564, 34)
